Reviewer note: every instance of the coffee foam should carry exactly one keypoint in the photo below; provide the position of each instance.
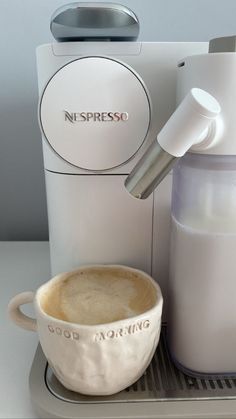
(98, 296)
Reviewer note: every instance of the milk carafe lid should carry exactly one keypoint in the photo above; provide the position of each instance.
(203, 123)
(93, 22)
(213, 72)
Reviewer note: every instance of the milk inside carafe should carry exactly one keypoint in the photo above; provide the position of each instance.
(202, 282)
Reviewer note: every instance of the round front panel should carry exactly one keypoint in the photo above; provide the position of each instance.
(95, 113)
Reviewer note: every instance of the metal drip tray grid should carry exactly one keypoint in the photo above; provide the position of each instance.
(161, 382)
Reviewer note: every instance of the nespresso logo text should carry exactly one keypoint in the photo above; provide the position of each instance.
(96, 116)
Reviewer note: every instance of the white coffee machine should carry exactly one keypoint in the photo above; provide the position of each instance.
(103, 97)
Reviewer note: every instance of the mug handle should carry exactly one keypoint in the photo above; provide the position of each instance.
(16, 315)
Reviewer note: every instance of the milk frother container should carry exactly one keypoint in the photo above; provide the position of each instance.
(201, 308)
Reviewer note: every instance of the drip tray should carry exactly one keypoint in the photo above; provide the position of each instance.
(162, 392)
(161, 381)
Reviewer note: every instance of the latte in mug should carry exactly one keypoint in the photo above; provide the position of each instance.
(98, 296)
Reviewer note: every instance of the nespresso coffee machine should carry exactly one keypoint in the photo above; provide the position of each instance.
(103, 98)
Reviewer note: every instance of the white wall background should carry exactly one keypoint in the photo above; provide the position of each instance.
(24, 24)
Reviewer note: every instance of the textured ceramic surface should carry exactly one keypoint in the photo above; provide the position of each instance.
(96, 359)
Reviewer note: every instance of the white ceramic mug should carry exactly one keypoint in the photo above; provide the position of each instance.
(99, 359)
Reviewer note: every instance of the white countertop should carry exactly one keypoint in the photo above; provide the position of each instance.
(23, 267)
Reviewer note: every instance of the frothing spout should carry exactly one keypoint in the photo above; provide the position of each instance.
(187, 126)
(149, 171)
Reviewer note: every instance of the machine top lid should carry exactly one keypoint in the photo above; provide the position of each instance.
(94, 21)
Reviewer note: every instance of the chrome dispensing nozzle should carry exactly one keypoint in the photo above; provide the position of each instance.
(149, 171)
(187, 126)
